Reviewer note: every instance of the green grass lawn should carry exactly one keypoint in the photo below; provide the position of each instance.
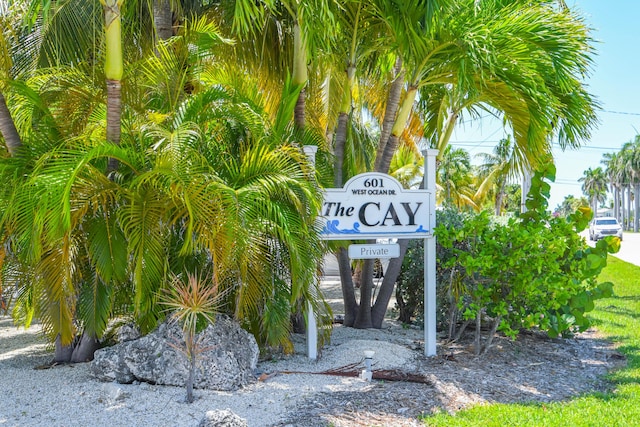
(619, 319)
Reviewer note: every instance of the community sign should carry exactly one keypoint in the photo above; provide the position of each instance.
(374, 205)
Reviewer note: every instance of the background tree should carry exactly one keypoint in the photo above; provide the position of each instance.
(631, 155)
(614, 171)
(570, 204)
(494, 172)
(456, 179)
(594, 187)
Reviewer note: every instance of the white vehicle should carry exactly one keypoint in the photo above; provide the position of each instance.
(603, 227)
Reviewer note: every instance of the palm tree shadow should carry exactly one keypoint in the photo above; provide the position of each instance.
(23, 346)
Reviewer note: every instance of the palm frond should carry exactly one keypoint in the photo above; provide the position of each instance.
(94, 307)
(56, 299)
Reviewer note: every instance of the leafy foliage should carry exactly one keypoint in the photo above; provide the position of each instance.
(211, 171)
(215, 185)
(534, 271)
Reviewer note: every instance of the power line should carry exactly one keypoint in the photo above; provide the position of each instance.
(491, 143)
(621, 112)
(588, 147)
(478, 143)
(567, 182)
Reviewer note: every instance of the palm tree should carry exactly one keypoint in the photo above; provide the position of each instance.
(468, 50)
(455, 179)
(594, 187)
(8, 130)
(493, 83)
(632, 165)
(614, 171)
(230, 197)
(310, 24)
(494, 171)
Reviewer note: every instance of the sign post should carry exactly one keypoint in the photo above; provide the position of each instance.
(430, 257)
(312, 323)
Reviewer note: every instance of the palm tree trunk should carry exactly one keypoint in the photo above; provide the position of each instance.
(622, 210)
(84, 350)
(299, 75)
(399, 126)
(113, 69)
(62, 353)
(499, 198)
(446, 133)
(162, 20)
(341, 128)
(629, 207)
(8, 128)
(636, 205)
(616, 201)
(338, 149)
(379, 309)
(393, 101)
(348, 294)
(363, 319)
(620, 202)
(299, 116)
(114, 111)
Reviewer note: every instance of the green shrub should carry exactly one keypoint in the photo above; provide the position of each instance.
(532, 272)
(410, 285)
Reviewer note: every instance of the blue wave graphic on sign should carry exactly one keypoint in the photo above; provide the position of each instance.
(332, 228)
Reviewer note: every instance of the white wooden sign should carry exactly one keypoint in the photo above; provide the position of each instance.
(375, 205)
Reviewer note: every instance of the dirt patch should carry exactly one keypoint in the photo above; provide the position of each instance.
(534, 368)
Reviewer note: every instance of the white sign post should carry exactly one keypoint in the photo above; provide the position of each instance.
(312, 323)
(430, 257)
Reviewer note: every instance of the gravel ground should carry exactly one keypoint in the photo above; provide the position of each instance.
(298, 392)
(67, 395)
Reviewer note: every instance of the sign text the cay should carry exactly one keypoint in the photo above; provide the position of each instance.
(373, 214)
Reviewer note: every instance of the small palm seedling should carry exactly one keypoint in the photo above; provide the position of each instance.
(193, 304)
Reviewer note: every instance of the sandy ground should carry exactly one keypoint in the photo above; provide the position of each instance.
(301, 392)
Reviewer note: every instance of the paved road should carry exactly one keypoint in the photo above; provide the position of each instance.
(629, 248)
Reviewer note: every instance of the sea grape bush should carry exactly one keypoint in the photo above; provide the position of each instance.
(530, 272)
(409, 289)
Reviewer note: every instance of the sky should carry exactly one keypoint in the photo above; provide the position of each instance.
(615, 83)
